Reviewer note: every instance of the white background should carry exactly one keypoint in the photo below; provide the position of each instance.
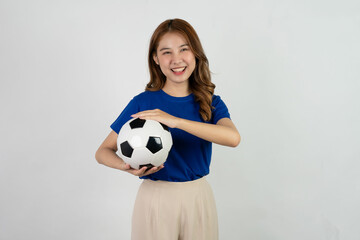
(288, 71)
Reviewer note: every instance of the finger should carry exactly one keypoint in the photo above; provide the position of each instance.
(153, 112)
(156, 169)
(142, 171)
(143, 112)
(144, 115)
(126, 166)
(152, 170)
(137, 172)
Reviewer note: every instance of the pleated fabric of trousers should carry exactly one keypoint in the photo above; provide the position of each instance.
(175, 211)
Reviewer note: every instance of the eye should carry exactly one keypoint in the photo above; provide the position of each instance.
(166, 52)
(184, 49)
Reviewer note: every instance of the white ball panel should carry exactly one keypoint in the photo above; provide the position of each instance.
(123, 134)
(167, 140)
(126, 159)
(160, 157)
(153, 128)
(153, 125)
(142, 156)
(137, 139)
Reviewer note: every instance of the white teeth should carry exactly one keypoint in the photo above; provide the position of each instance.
(178, 69)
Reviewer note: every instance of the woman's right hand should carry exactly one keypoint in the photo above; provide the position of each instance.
(142, 171)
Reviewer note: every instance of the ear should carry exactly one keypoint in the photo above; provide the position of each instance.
(156, 60)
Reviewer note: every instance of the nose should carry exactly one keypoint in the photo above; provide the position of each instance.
(176, 58)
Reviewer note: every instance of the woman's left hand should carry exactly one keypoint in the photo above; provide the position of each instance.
(159, 116)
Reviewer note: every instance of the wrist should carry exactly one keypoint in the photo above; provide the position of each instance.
(179, 123)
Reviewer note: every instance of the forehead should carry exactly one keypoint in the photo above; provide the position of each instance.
(172, 40)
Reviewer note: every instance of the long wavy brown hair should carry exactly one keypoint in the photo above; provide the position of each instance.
(200, 80)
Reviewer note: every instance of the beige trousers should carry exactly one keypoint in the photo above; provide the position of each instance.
(175, 211)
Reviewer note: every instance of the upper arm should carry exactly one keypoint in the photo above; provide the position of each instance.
(110, 141)
(227, 123)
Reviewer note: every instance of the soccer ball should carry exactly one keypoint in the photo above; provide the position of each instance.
(144, 143)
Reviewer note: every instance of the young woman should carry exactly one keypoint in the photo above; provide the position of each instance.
(174, 200)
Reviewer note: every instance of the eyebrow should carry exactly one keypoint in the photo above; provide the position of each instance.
(169, 48)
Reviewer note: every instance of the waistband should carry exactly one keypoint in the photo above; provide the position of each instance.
(160, 182)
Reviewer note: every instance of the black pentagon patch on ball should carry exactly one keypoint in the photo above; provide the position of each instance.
(166, 128)
(148, 166)
(126, 149)
(137, 123)
(154, 144)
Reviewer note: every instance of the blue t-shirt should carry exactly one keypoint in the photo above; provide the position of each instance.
(190, 156)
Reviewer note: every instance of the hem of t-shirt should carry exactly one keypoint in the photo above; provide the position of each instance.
(173, 179)
(112, 128)
(222, 118)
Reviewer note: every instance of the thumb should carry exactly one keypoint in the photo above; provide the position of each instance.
(126, 166)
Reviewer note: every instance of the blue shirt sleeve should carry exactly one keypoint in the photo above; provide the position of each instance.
(125, 115)
(220, 109)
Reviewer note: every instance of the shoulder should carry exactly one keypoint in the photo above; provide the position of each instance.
(219, 110)
(216, 100)
(143, 96)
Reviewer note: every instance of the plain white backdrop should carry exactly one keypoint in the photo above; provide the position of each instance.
(288, 71)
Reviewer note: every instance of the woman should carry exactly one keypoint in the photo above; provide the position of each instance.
(174, 200)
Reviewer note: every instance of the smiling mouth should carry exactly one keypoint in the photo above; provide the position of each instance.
(178, 70)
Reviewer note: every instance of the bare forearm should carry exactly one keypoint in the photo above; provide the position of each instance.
(109, 158)
(219, 134)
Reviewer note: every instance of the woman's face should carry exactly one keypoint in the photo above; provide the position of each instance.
(175, 58)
